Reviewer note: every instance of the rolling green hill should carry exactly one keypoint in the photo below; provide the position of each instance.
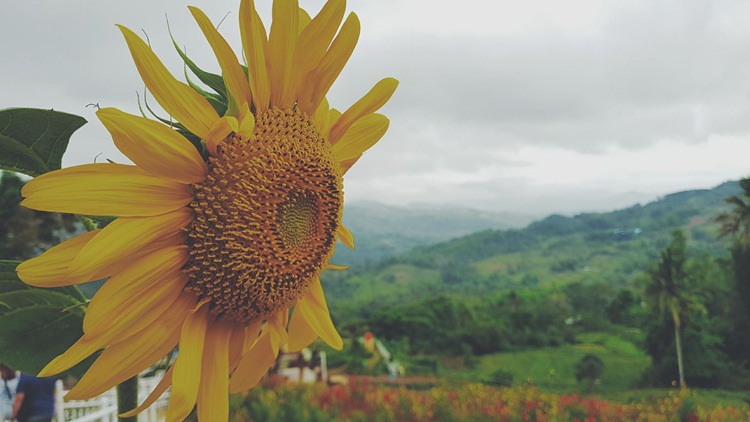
(497, 300)
(383, 231)
(612, 248)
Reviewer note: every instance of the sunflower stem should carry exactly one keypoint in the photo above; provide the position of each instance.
(127, 398)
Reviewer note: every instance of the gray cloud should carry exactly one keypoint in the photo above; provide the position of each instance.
(654, 70)
(480, 82)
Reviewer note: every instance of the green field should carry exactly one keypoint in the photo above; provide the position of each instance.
(553, 369)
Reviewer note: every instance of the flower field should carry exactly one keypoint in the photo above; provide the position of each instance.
(362, 401)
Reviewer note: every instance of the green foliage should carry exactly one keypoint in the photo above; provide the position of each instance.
(36, 325)
(450, 325)
(706, 365)
(423, 365)
(219, 100)
(690, 291)
(669, 288)
(553, 368)
(540, 287)
(736, 222)
(501, 378)
(33, 141)
(383, 231)
(626, 309)
(604, 253)
(590, 368)
(737, 339)
(354, 359)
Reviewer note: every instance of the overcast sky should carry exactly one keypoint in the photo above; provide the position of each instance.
(525, 106)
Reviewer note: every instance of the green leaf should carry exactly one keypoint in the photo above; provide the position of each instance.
(9, 278)
(213, 81)
(33, 141)
(33, 297)
(218, 102)
(11, 286)
(36, 324)
(31, 336)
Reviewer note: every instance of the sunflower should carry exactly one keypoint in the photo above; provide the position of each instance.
(216, 242)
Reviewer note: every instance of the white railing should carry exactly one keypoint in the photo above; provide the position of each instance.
(103, 408)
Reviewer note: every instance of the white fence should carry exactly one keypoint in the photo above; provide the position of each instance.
(103, 408)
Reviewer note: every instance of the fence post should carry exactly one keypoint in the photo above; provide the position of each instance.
(59, 402)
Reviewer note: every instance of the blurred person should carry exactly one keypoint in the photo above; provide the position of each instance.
(35, 399)
(7, 391)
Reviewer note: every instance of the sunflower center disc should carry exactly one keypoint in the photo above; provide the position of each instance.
(265, 217)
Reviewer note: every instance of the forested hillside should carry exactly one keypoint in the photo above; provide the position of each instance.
(383, 231)
(558, 250)
(559, 278)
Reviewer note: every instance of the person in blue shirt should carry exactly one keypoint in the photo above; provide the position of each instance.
(9, 380)
(35, 399)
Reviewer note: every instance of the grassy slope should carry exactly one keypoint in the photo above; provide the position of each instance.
(553, 369)
(624, 364)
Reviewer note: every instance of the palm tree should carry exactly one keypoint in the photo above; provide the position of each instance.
(668, 288)
(736, 223)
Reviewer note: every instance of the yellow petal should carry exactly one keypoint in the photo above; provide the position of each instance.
(176, 98)
(50, 269)
(234, 77)
(347, 164)
(319, 81)
(80, 350)
(326, 117)
(370, 103)
(134, 354)
(247, 123)
(236, 341)
(301, 334)
(315, 39)
(105, 189)
(277, 325)
(102, 328)
(315, 311)
(187, 374)
(282, 42)
(346, 236)
(133, 298)
(123, 237)
(253, 365)
(154, 147)
(303, 20)
(213, 393)
(362, 135)
(254, 43)
(321, 115)
(160, 388)
(333, 116)
(336, 267)
(223, 128)
(252, 332)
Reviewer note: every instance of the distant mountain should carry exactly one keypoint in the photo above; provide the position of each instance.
(381, 231)
(612, 247)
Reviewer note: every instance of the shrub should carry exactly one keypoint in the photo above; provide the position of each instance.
(501, 378)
